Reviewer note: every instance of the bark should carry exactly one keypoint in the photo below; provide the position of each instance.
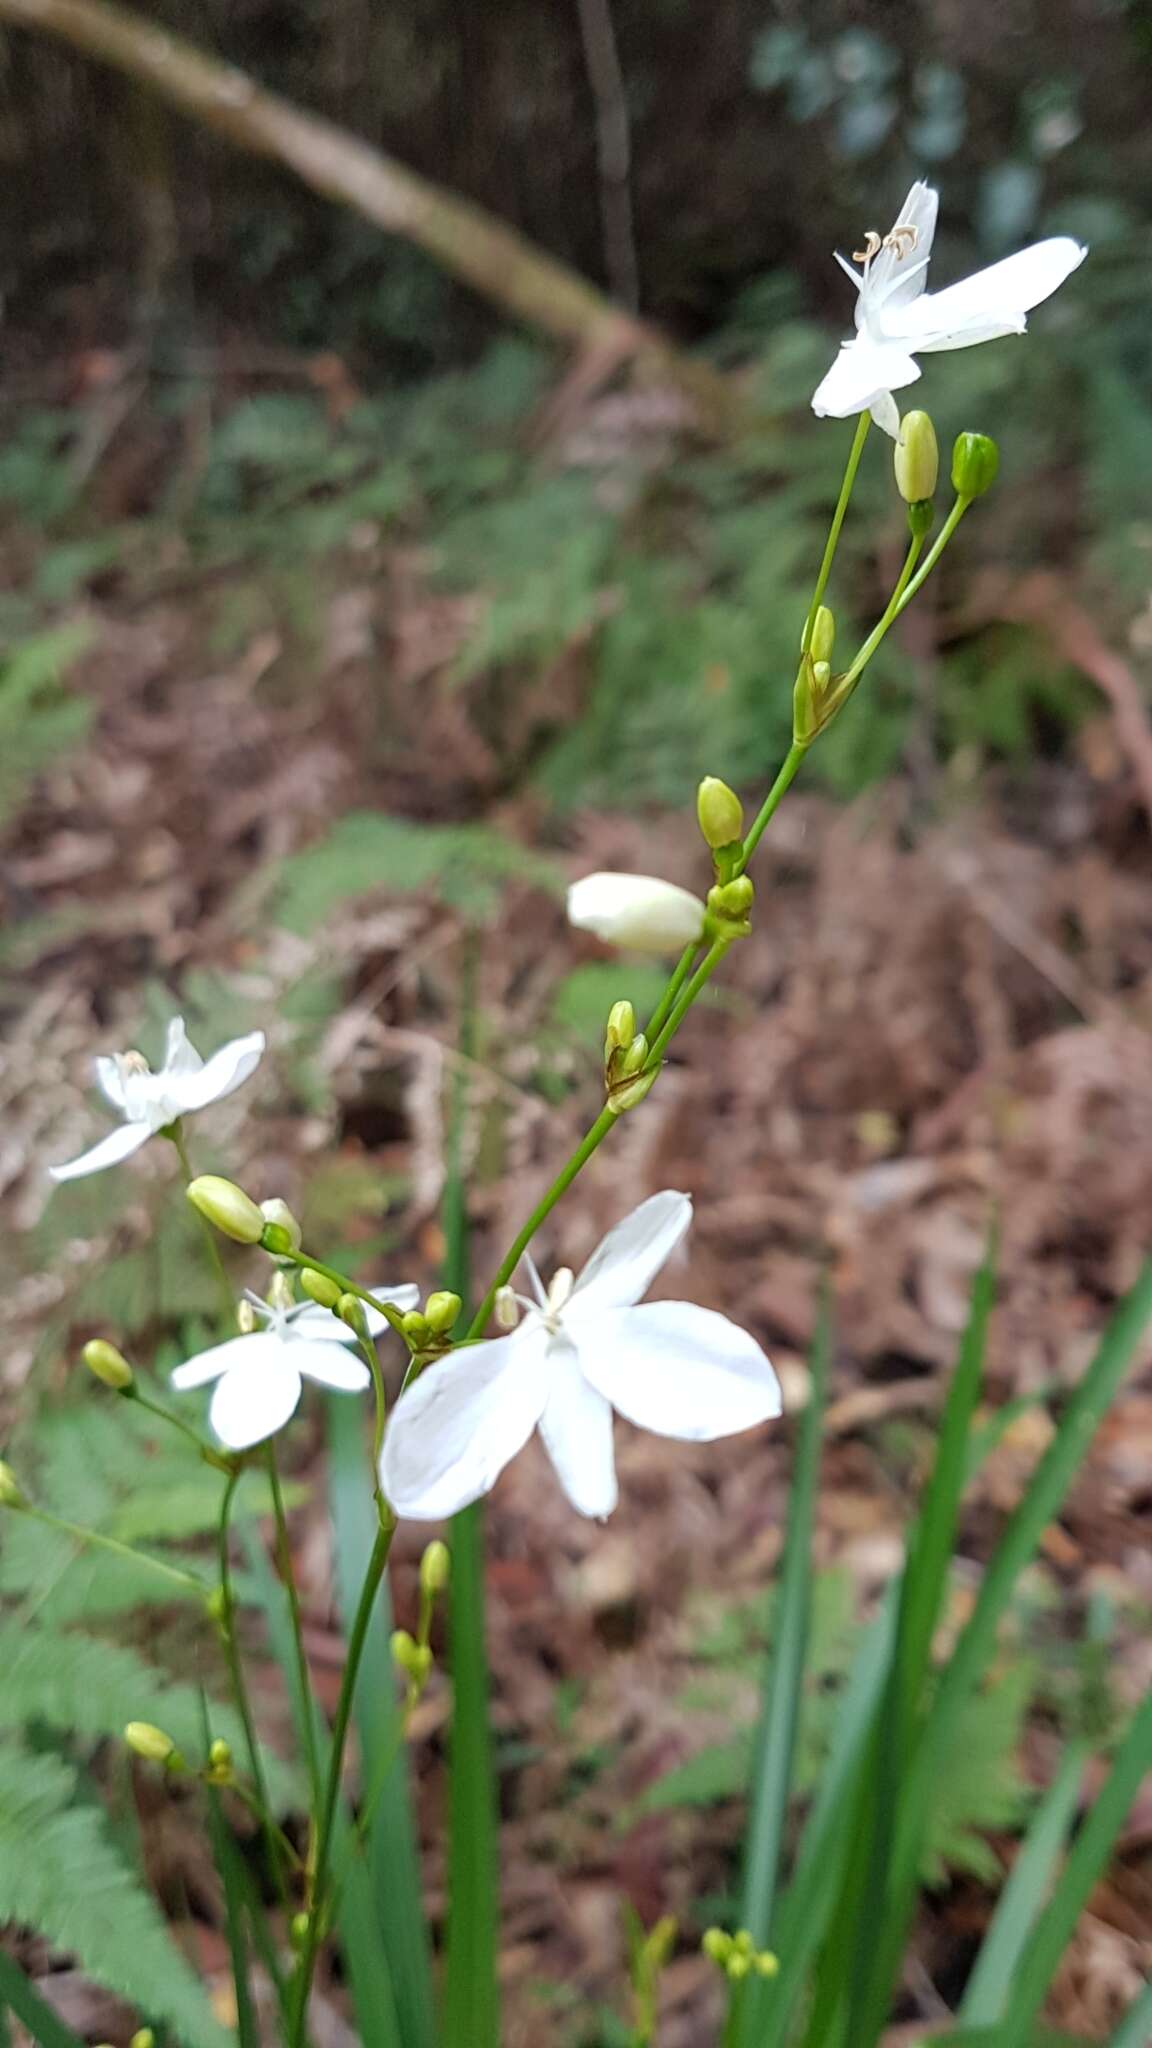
(496, 260)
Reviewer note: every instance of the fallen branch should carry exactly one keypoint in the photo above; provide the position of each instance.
(496, 260)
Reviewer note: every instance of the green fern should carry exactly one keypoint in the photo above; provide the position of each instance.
(39, 718)
(60, 1874)
(464, 865)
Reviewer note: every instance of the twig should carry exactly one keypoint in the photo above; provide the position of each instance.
(613, 149)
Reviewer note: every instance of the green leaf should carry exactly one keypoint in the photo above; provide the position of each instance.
(60, 1874)
(464, 865)
(989, 1986)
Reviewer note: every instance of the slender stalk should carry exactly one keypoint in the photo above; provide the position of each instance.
(771, 803)
(288, 1576)
(383, 1308)
(227, 1292)
(158, 1409)
(240, 1693)
(685, 1000)
(676, 982)
(326, 1821)
(906, 589)
(852, 465)
(187, 1580)
(544, 1207)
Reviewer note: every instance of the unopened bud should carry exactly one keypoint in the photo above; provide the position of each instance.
(720, 812)
(143, 2038)
(107, 1364)
(318, 1287)
(435, 1568)
(506, 1308)
(152, 1744)
(350, 1310)
(629, 1093)
(766, 1964)
(717, 1945)
(738, 1965)
(227, 1208)
(218, 1606)
(220, 1770)
(975, 461)
(730, 903)
(415, 1328)
(298, 1930)
(281, 1231)
(621, 1028)
(413, 1658)
(630, 1061)
(441, 1310)
(916, 458)
(638, 911)
(823, 638)
(10, 1494)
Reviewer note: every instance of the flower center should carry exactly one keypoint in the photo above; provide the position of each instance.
(901, 240)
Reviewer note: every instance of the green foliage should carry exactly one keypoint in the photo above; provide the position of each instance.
(39, 718)
(581, 1000)
(463, 865)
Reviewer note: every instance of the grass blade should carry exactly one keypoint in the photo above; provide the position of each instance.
(775, 1751)
(393, 1854)
(989, 1987)
(1135, 2030)
(20, 1996)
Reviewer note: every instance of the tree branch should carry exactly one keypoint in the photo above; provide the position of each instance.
(496, 260)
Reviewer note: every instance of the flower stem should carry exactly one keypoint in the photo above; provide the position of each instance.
(830, 546)
(383, 1308)
(676, 982)
(227, 1293)
(283, 1555)
(685, 1000)
(240, 1694)
(906, 589)
(544, 1207)
(94, 1537)
(771, 803)
(158, 1409)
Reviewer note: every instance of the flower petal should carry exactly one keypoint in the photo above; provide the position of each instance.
(577, 1430)
(329, 1365)
(118, 1145)
(219, 1076)
(262, 1348)
(179, 1056)
(321, 1326)
(862, 373)
(110, 1081)
(625, 1263)
(679, 1370)
(638, 911)
(454, 1431)
(989, 303)
(254, 1400)
(886, 413)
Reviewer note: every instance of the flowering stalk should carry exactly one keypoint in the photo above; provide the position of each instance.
(224, 1609)
(288, 1576)
(833, 540)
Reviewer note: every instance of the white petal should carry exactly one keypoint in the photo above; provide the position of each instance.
(863, 372)
(454, 1431)
(577, 1430)
(219, 1076)
(679, 1370)
(261, 1348)
(993, 301)
(329, 1365)
(639, 911)
(625, 1263)
(110, 1081)
(320, 1325)
(886, 413)
(119, 1144)
(179, 1056)
(252, 1401)
(896, 274)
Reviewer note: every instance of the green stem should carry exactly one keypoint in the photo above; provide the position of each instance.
(288, 1576)
(905, 591)
(853, 464)
(306, 1967)
(680, 973)
(118, 1549)
(684, 1002)
(770, 805)
(157, 1408)
(383, 1308)
(544, 1207)
(240, 1694)
(227, 1293)
(288, 1850)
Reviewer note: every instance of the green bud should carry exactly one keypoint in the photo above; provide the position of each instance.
(150, 1742)
(975, 461)
(621, 1028)
(766, 1964)
(435, 1568)
(217, 1606)
(743, 1943)
(916, 458)
(350, 1310)
(631, 1061)
(730, 903)
(107, 1364)
(220, 1768)
(318, 1287)
(823, 634)
(143, 2038)
(720, 812)
(413, 1658)
(298, 1930)
(281, 1232)
(717, 1945)
(415, 1328)
(629, 1093)
(738, 1965)
(441, 1310)
(227, 1208)
(10, 1494)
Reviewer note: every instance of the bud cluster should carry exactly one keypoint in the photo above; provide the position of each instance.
(737, 1955)
(625, 1057)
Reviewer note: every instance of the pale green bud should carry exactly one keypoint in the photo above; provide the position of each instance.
(350, 1310)
(717, 1945)
(743, 1943)
(220, 1768)
(227, 1208)
(916, 458)
(413, 1658)
(218, 1606)
(441, 1310)
(823, 634)
(975, 461)
(281, 1232)
(720, 812)
(150, 1742)
(766, 1964)
(318, 1287)
(631, 1061)
(10, 1494)
(435, 1568)
(143, 2038)
(107, 1364)
(298, 1930)
(739, 1965)
(730, 903)
(629, 1093)
(415, 1328)
(621, 1028)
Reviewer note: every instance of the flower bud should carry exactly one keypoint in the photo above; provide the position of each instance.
(730, 906)
(720, 812)
(738, 1965)
(413, 1658)
(143, 2038)
(107, 1364)
(629, 1093)
(10, 1494)
(350, 1310)
(766, 1964)
(916, 458)
(621, 1028)
(506, 1308)
(218, 1606)
(298, 1930)
(152, 1744)
(318, 1287)
(717, 1945)
(441, 1310)
(281, 1231)
(435, 1568)
(220, 1755)
(975, 461)
(823, 634)
(638, 911)
(631, 1060)
(227, 1207)
(415, 1328)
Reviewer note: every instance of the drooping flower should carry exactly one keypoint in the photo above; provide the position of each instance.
(149, 1102)
(638, 911)
(259, 1377)
(898, 319)
(582, 1350)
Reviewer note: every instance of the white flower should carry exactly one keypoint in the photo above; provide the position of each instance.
(260, 1377)
(581, 1351)
(148, 1102)
(896, 318)
(638, 911)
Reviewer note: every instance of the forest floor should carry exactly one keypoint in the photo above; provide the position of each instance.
(940, 1017)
